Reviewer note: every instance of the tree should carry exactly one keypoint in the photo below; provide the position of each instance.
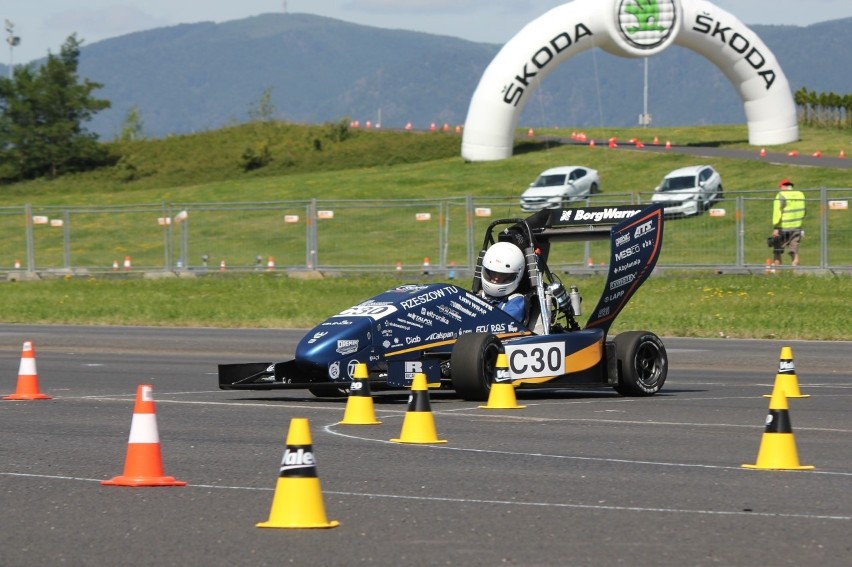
(42, 112)
(132, 129)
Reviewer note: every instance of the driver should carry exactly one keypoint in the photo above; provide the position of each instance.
(502, 269)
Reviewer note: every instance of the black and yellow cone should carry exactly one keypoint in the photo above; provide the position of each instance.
(359, 406)
(419, 424)
(778, 447)
(502, 394)
(786, 379)
(298, 498)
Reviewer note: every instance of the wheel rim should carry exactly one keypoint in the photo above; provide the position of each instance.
(648, 363)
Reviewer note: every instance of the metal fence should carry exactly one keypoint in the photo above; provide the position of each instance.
(428, 235)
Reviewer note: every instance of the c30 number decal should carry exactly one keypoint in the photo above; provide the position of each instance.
(531, 361)
(372, 311)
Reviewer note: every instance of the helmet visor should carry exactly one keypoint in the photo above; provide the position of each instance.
(498, 277)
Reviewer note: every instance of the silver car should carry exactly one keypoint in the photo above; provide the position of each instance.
(689, 191)
(559, 186)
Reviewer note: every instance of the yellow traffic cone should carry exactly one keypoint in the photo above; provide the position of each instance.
(419, 424)
(359, 406)
(298, 498)
(778, 447)
(786, 379)
(502, 394)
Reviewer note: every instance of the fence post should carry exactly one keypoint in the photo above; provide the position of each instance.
(312, 240)
(472, 252)
(66, 238)
(739, 216)
(28, 220)
(823, 227)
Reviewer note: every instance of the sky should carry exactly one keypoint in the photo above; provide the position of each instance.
(43, 25)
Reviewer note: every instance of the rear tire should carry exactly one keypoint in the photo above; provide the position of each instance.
(642, 363)
(472, 365)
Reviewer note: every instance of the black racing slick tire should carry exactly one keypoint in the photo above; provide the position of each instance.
(472, 365)
(642, 363)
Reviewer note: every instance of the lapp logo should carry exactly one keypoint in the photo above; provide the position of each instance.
(647, 24)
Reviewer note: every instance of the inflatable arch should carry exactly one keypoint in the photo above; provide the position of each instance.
(628, 28)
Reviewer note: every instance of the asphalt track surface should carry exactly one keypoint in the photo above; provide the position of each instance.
(575, 478)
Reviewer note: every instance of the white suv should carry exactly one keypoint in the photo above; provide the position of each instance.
(559, 186)
(689, 190)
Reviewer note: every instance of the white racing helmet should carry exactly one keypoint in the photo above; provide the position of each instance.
(502, 268)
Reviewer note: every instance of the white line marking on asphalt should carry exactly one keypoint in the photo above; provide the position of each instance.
(494, 502)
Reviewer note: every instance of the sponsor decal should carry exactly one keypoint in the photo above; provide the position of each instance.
(368, 309)
(728, 37)
(426, 313)
(615, 284)
(441, 336)
(497, 328)
(626, 253)
(460, 308)
(513, 93)
(410, 288)
(344, 323)
(317, 336)
(643, 229)
(396, 325)
(350, 368)
(647, 24)
(537, 360)
(786, 366)
(334, 370)
(623, 239)
(597, 214)
(604, 311)
(614, 296)
(450, 313)
(413, 367)
(300, 460)
(412, 340)
(427, 297)
(627, 266)
(419, 319)
(347, 346)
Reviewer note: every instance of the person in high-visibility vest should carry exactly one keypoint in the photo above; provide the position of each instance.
(788, 212)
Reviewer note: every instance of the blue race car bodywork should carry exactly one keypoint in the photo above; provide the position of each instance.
(453, 335)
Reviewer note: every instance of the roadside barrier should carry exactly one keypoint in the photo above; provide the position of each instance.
(786, 379)
(27, 388)
(143, 465)
(298, 502)
(359, 406)
(502, 394)
(777, 446)
(419, 423)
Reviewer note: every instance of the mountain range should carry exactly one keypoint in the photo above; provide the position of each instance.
(202, 76)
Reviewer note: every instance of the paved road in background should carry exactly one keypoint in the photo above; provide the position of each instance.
(713, 152)
(577, 477)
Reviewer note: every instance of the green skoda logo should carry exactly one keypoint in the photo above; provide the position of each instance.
(647, 24)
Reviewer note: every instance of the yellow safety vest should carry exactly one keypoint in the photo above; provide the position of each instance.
(788, 210)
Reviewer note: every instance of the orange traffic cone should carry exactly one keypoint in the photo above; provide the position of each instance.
(127, 264)
(419, 424)
(426, 266)
(143, 465)
(222, 266)
(816, 154)
(762, 152)
(502, 394)
(792, 153)
(777, 447)
(786, 379)
(297, 502)
(27, 377)
(270, 264)
(668, 145)
(530, 133)
(359, 406)
(842, 154)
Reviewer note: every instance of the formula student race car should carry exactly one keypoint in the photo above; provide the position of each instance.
(454, 336)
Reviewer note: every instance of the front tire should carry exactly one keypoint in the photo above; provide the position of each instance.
(328, 391)
(472, 365)
(642, 363)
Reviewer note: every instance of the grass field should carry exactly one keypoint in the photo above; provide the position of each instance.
(783, 306)
(321, 162)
